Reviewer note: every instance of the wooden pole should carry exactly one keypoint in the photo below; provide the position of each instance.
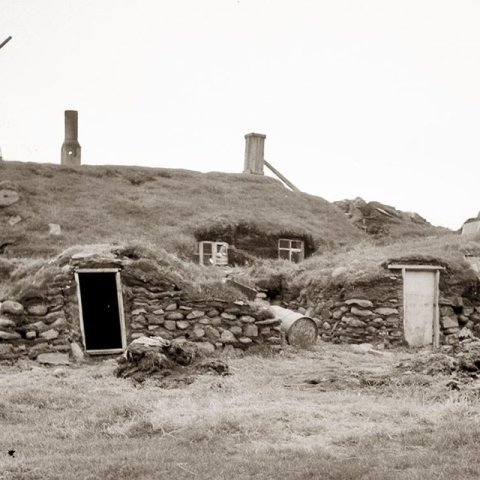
(5, 42)
(281, 177)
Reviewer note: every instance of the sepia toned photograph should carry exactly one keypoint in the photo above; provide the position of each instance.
(239, 239)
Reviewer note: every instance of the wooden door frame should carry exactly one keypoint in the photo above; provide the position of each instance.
(121, 313)
(436, 295)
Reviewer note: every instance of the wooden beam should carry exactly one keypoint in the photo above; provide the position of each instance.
(403, 267)
(281, 177)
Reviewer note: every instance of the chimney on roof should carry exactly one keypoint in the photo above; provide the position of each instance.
(71, 150)
(254, 153)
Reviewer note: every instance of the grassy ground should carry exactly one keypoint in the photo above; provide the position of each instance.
(329, 413)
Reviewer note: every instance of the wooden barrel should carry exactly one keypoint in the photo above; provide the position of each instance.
(300, 331)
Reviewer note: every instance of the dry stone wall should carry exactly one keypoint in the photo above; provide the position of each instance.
(48, 322)
(375, 315)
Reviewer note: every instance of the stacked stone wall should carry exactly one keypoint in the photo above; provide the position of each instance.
(49, 322)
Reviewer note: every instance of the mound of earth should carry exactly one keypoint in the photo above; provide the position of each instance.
(381, 220)
(169, 363)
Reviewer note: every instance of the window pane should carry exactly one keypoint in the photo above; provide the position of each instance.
(298, 244)
(284, 254)
(207, 248)
(296, 257)
(284, 243)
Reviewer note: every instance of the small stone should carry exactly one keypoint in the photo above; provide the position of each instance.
(204, 321)
(449, 322)
(236, 330)
(54, 229)
(355, 322)
(175, 316)
(171, 307)
(170, 324)
(182, 325)
(205, 348)
(361, 313)
(212, 333)
(360, 302)
(59, 323)
(265, 331)
(228, 316)
(386, 311)
(59, 372)
(273, 340)
(77, 352)
(6, 323)
(139, 311)
(50, 334)
(261, 295)
(245, 340)
(213, 313)
(326, 326)
(337, 314)
(12, 307)
(14, 220)
(247, 319)
(9, 335)
(39, 326)
(216, 321)
(195, 314)
(227, 337)
(53, 359)
(39, 309)
(8, 197)
(251, 331)
(158, 312)
(31, 334)
(198, 332)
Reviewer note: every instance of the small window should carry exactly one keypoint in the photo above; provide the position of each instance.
(213, 253)
(291, 250)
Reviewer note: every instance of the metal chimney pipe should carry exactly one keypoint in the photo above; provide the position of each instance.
(71, 150)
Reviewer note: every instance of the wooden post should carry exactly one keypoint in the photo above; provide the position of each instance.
(254, 153)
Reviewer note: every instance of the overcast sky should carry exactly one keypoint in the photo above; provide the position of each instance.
(372, 98)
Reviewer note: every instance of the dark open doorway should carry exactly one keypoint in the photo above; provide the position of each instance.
(101, 310)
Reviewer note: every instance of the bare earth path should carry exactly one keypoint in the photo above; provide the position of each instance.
(329, 413)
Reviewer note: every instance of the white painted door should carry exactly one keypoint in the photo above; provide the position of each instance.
(419, 288)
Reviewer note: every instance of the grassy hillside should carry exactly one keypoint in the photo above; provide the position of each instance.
(156, 207)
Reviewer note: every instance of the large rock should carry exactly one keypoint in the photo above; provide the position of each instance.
(227, 337)
(9, 335)
(251, 331)
(50, 334)
(77, 352)
(12, 307)
(360, 302)
(449, 322)
(6, 323)
(53, 359)
(38, 309)
(8, 197)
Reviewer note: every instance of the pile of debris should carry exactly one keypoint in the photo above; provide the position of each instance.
(176, 361)
(461, 362)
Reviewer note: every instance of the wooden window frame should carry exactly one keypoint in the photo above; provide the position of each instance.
(290, 249)
(214, 251)
(121, 312)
